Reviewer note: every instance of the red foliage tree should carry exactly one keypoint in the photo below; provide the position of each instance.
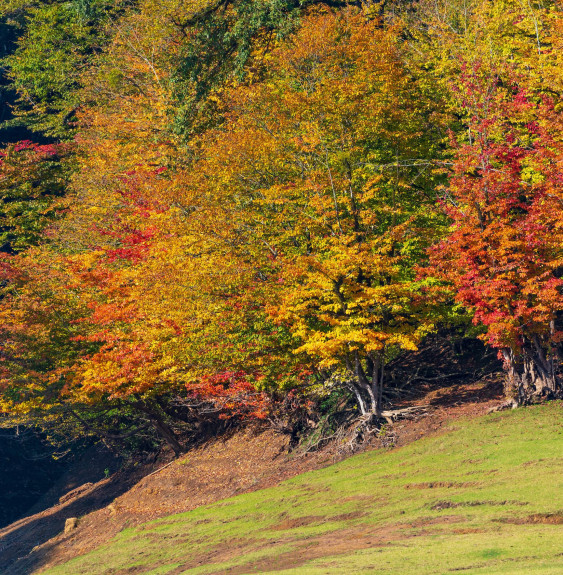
(504, 251)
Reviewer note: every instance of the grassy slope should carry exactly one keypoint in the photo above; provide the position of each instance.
(484, 498)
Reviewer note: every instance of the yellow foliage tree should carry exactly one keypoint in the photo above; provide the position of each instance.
(320, 172)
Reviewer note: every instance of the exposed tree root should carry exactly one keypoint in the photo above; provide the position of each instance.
(353, 432)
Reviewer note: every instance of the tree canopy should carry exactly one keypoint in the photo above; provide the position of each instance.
(248, 199)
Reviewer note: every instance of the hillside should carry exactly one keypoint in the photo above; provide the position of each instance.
(483, 498)
(477, 486)
(242, 241)
(219, 468)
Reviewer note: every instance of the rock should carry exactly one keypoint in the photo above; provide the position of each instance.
(71, 524)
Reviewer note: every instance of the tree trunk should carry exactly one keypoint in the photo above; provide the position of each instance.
(365, 384)
(162, 428)
(377, 374)
(532, 375)
(368, 384)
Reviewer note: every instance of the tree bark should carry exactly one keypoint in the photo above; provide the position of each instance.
(378, 366)
(365, 383)
(532, 375)
(368, 383)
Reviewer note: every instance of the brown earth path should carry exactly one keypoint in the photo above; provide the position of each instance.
(246, 461)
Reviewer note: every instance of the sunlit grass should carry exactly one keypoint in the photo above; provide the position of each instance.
(475, 499)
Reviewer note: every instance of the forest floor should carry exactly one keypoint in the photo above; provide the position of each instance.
(244, 462)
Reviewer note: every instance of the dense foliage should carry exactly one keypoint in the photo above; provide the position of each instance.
(258, 199)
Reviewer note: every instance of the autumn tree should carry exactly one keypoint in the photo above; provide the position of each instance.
(503, 253)
(225, 41)
(152, 331)
(321, 169)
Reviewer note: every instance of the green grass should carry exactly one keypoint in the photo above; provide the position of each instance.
(484, 498)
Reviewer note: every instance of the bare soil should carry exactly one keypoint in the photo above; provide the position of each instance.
(246, 461)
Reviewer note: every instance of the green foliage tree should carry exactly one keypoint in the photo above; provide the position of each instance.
(32, 180)
(56, 41)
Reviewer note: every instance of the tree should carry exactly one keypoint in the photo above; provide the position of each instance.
(136, 315)
(226, 41)
(320, 170)
(504, 250)
(57, 40)
(32, 178)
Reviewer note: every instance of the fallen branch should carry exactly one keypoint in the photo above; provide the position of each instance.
(161, 468)
(393, 414)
